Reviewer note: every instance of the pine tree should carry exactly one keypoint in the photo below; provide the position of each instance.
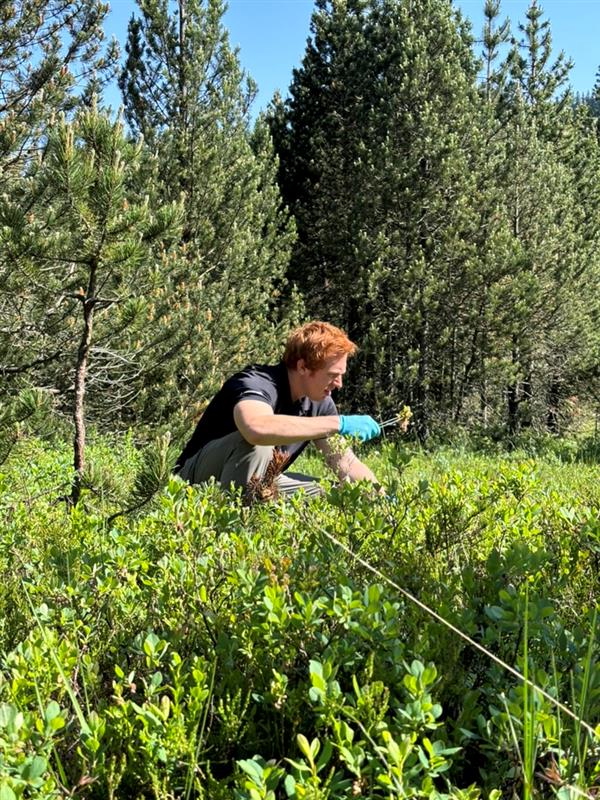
(52, 59)
(222, 300)
(471, 384)
(540, 79)
(376, 144)
(540, 192)
(84, 254)
(495, 34)
(593, 99)
(573, 349)
(589, 99)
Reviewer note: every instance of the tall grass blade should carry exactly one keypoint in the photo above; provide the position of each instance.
(85, 728)
(189, 779)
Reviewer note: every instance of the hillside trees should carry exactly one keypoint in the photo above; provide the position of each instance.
(543, 314)
(447, 225)
(89, 254)
(593, 100)
(448, 213)
(220, 305)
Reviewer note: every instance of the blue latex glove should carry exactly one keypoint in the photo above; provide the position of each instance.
(362, 426)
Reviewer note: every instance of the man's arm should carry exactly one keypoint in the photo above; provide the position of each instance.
(260, 426)
(346, 464)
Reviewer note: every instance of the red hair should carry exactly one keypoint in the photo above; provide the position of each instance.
(315, 342)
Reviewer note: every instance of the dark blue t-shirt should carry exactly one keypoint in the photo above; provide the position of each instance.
(266, 383)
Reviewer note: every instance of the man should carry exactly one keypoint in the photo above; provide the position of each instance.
(283, 407)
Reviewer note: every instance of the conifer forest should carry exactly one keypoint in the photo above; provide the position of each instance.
(433, 190)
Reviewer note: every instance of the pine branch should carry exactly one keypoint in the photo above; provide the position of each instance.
(265, 489)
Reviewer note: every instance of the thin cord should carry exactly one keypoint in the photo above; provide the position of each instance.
(460, 633)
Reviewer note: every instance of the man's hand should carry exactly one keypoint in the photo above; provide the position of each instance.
(362, 426)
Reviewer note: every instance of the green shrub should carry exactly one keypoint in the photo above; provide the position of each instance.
(201, 648)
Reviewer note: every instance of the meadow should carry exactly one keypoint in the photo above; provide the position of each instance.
(439, 642)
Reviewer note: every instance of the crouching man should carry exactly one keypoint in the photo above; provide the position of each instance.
(279, 409)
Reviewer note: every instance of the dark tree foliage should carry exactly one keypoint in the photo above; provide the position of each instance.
(375, 145)
(552, 213)
(449, 224)
(589, 99)
(592, 99)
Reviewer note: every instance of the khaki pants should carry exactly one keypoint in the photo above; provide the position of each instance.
(232, 460)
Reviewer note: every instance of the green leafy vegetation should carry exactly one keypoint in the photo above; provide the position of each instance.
(203, 648)
(164, 641)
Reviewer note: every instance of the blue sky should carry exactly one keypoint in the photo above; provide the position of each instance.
(271, 36)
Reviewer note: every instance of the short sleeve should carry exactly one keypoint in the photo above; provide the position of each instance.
(251, 385)
(327, 408)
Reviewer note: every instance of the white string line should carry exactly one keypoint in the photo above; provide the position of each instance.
(462, 635)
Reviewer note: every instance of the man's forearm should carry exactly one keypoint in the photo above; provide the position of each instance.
(357, 471)
(348, 467)
(276, 429)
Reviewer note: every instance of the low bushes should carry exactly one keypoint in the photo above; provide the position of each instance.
(206, 649)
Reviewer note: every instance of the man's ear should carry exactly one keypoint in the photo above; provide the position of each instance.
(301, 367)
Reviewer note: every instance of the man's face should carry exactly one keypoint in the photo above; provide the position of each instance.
(319, 383)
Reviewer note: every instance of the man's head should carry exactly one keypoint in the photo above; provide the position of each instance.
(315, 355)
(314, 343)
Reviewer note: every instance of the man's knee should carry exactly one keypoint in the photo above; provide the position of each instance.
(230, 459)
(291, 482)
(254, 460)
(245, 462)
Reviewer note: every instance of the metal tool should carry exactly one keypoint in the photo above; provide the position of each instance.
(392, 421)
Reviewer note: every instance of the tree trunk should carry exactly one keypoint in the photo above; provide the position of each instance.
(512, 399)
(474, 355)
(526, 413)
(421, 390)
(88, 303)
(552, 416)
